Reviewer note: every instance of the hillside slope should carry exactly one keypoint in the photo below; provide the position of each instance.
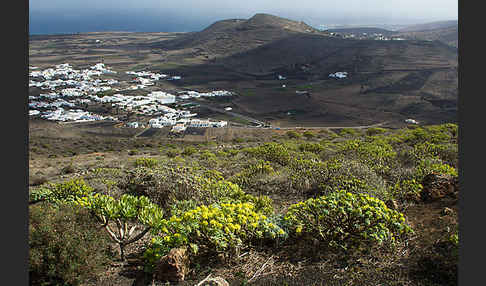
(430, 26)
(232, 36)
(443, 31)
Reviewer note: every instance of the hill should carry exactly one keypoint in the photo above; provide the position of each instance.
(448, 35)
(430, 26)
(232, 36)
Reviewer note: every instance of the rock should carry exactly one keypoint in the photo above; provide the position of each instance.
(438, 186)
(447, 212)
(215, 281)
(172, 267)
(392, 204)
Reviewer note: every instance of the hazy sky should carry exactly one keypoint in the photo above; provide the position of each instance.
(196, 14)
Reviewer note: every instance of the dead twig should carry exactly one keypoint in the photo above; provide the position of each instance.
(259, 271)
(204, 280)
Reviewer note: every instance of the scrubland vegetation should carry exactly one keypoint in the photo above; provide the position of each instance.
(319, 208)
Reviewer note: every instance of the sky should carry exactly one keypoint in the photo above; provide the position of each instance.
(61, 16)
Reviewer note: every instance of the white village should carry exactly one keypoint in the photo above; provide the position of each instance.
(66, 92)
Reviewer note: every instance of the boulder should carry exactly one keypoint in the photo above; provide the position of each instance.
(437, 186)
(172, 267)
(215, 281)
(447, 212)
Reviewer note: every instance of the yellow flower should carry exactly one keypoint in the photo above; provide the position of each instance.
(299, 229)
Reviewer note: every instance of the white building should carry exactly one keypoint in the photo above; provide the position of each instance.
(133, 124)
(162, 97)
(220, 124)
(199, 123)
(339, 75)
(411, 121)
(178, 128)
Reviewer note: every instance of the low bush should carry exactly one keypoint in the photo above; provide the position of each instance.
(309, 134)
(65, 246)
(188, 151)
(60, 192)
(311, 147)
(273, 152)
(346, 221)
(146, 162)
(293, 135)
(375, 131)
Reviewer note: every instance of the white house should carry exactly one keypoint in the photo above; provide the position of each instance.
(411, 121)
(178, 128)
(220, 124)
(199, 123)
(132, 124)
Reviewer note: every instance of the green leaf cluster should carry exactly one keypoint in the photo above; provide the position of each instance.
(345, 220)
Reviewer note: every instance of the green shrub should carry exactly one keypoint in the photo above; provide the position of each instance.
(348, 132)
(146, 162)
(345, 220)
(349, 184)
(65, 246)
(375, 130)
(408, 189)
(311, 147)
(172, 152)
(426, 167)
(293, 134)
(61, 192)
(309, 134)
(273, 152)
(188, 151)
(378, 154)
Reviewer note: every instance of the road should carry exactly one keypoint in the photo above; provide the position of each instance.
(336, 127)
(219, 110)
(260, 123)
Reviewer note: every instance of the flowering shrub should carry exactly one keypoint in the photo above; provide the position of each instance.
(218, 227)
(346, 220)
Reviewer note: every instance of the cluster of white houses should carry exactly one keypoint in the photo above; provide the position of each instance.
(70, 88)
(180, 124)
(77, 115)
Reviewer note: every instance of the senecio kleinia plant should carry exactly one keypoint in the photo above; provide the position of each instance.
(217, 227)
(346, 220)
(121, 217)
